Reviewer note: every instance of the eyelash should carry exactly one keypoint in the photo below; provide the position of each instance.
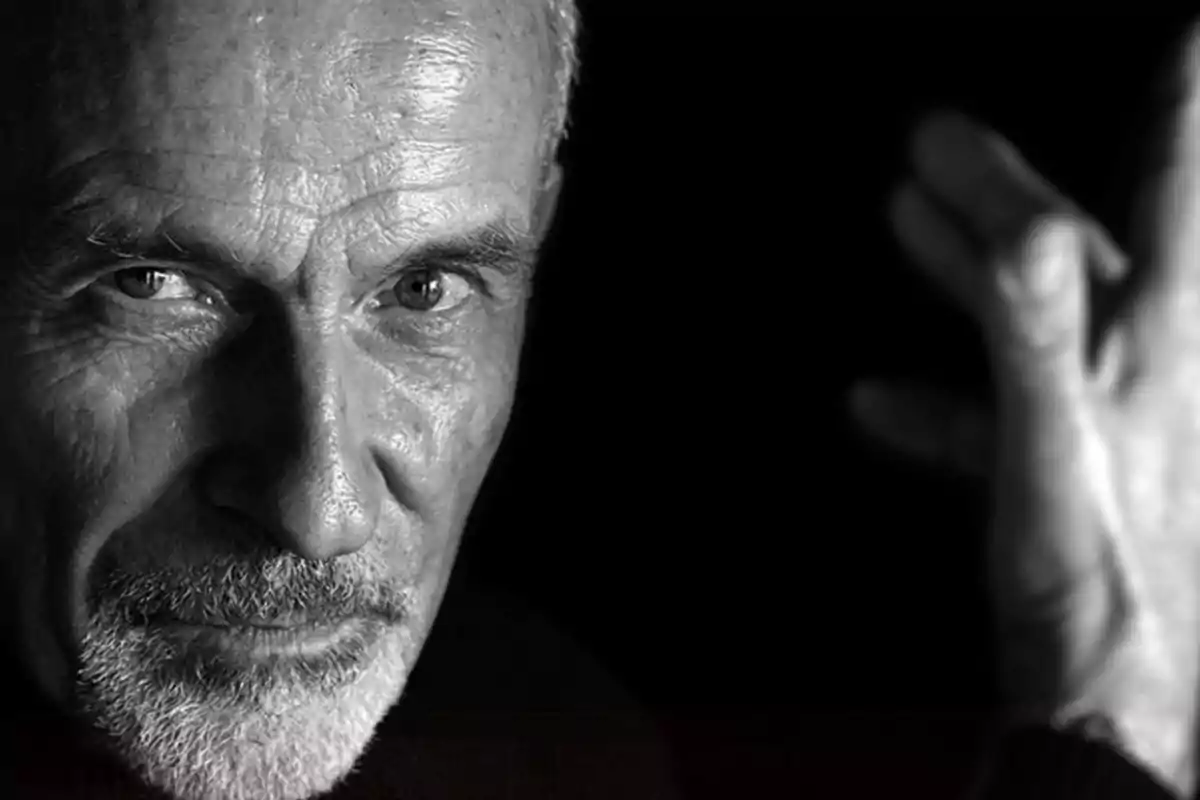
(207, 295)
(212, 298)
(470, 275)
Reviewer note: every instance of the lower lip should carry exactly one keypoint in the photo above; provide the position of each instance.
(258, 644)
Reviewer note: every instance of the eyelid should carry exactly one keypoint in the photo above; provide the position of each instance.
(203, 285)
(472, 274)
(206, 285)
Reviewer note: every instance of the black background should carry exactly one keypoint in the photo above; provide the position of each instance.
(681, 486)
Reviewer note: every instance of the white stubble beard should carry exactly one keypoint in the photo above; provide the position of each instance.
(287, 740)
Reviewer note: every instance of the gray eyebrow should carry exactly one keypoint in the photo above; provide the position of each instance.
(70, 246)
(495, 246)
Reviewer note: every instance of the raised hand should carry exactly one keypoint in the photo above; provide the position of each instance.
(1093, 455)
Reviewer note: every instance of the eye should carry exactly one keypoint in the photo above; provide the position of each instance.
(427, 290)
(153, 283)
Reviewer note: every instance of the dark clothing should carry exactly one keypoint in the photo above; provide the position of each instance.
(1041, 764)
(871, 754)
(502, 705)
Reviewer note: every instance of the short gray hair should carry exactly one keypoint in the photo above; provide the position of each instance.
(564, 28)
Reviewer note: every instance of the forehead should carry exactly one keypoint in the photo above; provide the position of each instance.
(312, 105)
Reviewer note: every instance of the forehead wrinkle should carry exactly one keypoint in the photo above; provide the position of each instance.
(390, 156)
(439, 74)
(407, 165)
(422, 77)
(427, 55)
(426, 69)
(283, 184)
(392, 218)
(114, 196)
(191, 53)
(113, 193)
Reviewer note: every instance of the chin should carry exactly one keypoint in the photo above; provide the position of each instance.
(206, 731)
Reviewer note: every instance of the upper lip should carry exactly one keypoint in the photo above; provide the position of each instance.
(285, 621)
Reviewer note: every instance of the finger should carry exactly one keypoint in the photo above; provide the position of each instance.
(1035, 248)
(1165, 218)
(1165, 224)
(945, 253)
(1046, 533)
(936, 245)
(926, 425)
(980, 175)
(939, 246)
(1035, 327)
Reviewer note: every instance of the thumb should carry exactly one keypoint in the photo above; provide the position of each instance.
(1166, 211)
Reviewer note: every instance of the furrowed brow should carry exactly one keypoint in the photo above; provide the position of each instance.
(495, 246)
(122, 242)
(74, 241)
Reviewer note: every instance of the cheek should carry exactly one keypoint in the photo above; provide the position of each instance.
(62, 430)
(84, 442)
(92, 415)
(465, 427)
(471, 429)
(66, 433)
(455, 405)
(481, 428)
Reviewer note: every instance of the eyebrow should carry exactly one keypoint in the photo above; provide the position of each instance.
(496, 246)
(73, 249)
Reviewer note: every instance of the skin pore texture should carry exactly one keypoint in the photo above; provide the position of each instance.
(258, 360)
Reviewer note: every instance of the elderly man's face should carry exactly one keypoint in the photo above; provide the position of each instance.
(258, 363)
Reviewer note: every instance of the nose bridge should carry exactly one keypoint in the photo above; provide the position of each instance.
(329, 494)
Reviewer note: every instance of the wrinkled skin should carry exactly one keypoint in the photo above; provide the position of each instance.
(268, 423)
(1094, 450)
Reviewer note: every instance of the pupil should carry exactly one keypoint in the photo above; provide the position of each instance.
(141, 282)
(420, 291)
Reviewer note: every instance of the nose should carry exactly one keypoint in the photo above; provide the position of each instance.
(327, 500)
(311, 478)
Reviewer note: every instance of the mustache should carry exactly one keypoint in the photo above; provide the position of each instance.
(231, 588)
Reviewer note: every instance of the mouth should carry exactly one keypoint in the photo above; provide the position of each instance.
(295, 620)
(252, 642)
